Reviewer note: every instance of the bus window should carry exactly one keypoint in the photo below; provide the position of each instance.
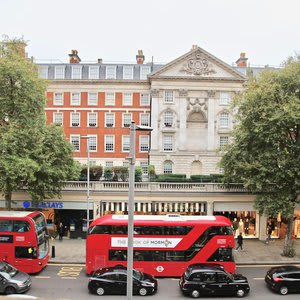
(21, 226)
(117, 255)
(6, 225)
(25, 252)
(222, 254)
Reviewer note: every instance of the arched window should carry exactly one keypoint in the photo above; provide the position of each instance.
(168, 167)
(168, 119)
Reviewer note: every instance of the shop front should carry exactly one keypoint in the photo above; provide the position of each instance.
(243, 217)
(72, 214)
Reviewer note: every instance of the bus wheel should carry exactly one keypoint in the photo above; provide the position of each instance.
(195, 294)
(10, 290)
(100, 291)
(143, 292)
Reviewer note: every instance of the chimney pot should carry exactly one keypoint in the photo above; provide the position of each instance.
(140, 58)
(242, 61)
(74, 58)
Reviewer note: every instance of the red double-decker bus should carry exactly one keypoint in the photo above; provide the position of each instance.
(163, 245)
(24, 240)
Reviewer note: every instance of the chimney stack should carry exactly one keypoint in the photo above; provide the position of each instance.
(74, 58)
(242, 61)
(140, 57)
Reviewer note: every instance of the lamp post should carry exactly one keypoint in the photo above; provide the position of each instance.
(131, 158)
(88, 182)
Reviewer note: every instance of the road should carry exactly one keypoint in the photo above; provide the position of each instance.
(70, 282)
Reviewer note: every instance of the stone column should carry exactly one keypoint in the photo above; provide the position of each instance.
(211, 120)
(262, 227)
(210, 208)
(183, 94)
(154, 120)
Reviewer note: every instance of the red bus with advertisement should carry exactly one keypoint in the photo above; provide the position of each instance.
(164, 245)
(24, 240)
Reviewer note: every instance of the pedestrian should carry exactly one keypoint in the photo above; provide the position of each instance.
(269, 233)
(240, 241)
(60, 231)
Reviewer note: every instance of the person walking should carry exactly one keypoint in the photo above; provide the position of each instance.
(240, 241)
(269, 233)
(60, 231)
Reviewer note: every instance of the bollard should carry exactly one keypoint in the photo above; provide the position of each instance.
(53, 252)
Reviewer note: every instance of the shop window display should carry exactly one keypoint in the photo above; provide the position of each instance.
(242, 222)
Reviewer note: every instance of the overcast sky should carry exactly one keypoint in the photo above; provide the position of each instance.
(267, 30)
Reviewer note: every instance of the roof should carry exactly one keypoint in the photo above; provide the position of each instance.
(15, 214)
(158, 220)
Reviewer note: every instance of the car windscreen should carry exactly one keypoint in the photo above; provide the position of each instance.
(137, 275)
(8, 270)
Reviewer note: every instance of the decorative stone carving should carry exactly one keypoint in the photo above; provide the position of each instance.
(183, 93)
(211, 94)
(197, 104)
(155, 93)
(198, 66)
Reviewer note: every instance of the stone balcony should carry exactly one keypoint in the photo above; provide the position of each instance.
(108, 186)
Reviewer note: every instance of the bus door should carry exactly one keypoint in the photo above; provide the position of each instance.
(100, 262)
(25, 258)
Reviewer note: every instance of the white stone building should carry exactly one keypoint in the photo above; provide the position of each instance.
(190, 113)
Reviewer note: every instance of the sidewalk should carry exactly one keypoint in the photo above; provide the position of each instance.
(255, 252)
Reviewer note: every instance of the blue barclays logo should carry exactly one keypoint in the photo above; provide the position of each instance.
(46, 204)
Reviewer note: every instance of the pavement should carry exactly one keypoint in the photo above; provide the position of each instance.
(254, 252)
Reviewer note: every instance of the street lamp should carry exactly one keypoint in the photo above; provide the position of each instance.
(131, 158)
(88, 182)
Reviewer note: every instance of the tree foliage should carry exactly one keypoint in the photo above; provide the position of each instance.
(33, 155)
(265, 151)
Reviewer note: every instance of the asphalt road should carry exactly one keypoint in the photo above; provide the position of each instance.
(70, 282)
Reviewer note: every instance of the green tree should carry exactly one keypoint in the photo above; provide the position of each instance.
(33, 155)
(265, 151)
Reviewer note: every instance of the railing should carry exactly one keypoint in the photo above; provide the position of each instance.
(108, 186)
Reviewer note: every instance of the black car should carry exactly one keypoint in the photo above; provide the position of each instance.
(204, 279)
(283, 279)
(114, 281)
(13, 281)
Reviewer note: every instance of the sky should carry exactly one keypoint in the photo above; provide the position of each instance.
(268, 31)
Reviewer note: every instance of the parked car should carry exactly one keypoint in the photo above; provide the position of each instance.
(284, 279)
(204, 279)
(13, 281)
(114, 281)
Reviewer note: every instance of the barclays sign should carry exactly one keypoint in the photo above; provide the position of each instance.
(44, 204)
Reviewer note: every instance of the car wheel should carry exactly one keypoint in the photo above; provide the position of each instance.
(100, 291)
(10, 290)
(195, 294)
(283, 290)
(240, 293)
(143, 292)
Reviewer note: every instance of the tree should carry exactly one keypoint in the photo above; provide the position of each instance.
(34, 156)
(265, 151)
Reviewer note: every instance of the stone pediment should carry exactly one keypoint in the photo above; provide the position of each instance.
(197, 64)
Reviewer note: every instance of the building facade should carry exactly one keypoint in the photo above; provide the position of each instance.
(186, 102)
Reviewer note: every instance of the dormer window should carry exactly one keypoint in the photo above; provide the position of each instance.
(76, 72)
(110, 72)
